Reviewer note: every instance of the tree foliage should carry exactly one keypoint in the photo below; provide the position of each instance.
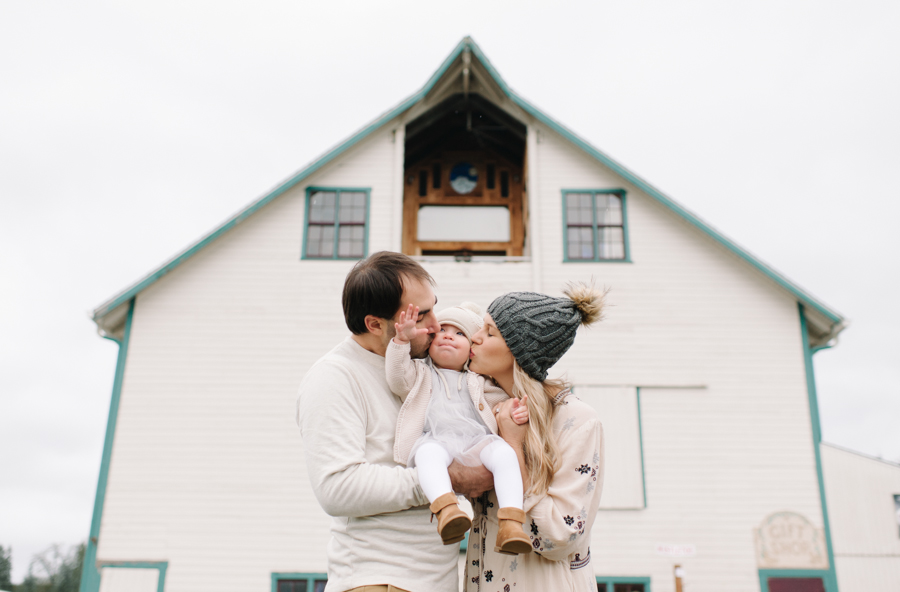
(54, 570)
(5, 568)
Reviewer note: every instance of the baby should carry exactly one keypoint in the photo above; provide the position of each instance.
(447, 415)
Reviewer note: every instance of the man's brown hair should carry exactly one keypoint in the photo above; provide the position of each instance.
(375, 287)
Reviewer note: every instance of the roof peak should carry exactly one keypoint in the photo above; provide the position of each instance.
(109, 315)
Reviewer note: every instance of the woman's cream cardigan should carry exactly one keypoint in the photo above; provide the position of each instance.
(411, 381)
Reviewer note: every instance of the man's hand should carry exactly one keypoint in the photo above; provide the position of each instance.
(470, 481)
(406, 326)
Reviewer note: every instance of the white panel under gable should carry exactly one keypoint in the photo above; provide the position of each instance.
(623, 476)
(129, 579)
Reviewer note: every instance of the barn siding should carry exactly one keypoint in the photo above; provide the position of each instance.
(863, 520)
(208, 469)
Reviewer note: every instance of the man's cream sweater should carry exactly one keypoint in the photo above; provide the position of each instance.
(381, 531)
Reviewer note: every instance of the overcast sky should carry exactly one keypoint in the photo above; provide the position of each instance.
(128, 130)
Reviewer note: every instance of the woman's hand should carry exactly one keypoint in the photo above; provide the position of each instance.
(512, 432)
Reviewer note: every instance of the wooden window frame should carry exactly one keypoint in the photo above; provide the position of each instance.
(595, 226)
(337, 223)
(482, 195)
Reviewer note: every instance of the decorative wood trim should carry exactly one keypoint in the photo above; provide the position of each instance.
(445, 195)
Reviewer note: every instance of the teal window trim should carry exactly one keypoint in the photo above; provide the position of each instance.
(623, 196)
(831, 579)
(641, 443)
(610, 581)
(337, 225)
(90, 575)
(826, 575)
(162, 566)
(309, 577)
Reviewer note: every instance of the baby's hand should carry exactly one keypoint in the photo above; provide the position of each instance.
(406, 326)
(519, 410)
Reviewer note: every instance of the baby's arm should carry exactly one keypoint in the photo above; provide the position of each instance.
(401, 371)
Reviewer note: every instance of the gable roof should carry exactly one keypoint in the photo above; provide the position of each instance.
(824, 323)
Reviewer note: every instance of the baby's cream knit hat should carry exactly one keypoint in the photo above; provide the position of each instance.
(468, 317)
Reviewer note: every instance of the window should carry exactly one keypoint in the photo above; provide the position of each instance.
(472, 206)
(336, 223)
(897, 509)
(622, 584)
(595, 225)
(463, 223)
(298, 582)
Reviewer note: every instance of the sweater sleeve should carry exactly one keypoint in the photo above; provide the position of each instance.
(400, 369)
(493, 393)
(332, 419)
(558, 519)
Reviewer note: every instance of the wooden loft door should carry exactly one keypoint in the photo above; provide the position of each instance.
(463, 203)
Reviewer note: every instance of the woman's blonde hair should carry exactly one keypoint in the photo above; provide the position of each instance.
(541, 450)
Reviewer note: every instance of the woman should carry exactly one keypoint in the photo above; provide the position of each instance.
(560, 450)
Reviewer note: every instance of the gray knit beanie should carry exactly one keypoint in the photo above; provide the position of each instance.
(539, 329)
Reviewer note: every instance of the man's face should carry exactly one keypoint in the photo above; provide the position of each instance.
(418, 294)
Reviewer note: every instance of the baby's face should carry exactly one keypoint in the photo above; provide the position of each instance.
(450, 348)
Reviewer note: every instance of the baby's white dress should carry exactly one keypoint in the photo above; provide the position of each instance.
(452, 420)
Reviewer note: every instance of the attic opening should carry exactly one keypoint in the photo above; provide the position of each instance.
(464, 179)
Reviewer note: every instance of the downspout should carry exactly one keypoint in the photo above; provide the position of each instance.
(90, 575)
(831, 585)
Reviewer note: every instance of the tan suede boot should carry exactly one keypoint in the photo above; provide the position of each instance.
(453, 523)
(511, 538)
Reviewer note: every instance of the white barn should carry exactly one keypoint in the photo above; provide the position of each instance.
(702, 372)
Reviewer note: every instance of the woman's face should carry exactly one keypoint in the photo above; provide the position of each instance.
(489, 352)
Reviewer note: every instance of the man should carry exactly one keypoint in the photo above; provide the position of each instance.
(381, 536)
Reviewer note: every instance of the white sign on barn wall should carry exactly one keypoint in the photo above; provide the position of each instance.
(676, 550)
(789, 540)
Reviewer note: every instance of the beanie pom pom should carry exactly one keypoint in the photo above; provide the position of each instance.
(590, 301)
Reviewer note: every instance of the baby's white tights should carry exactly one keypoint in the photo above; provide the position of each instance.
(497, 457)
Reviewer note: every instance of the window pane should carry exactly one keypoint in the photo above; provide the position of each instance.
(321, 206)
(464, 223)
(350, 241)
(320, 241)
(580, 242)
(628, 588)
(611, 243)
(353, 207)
(319, 585)
(609, 208)
(291, 585)
(313, 236)
(578, 206)
(601, 587)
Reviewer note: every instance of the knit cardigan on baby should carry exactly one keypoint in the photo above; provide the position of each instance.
(411, 381)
